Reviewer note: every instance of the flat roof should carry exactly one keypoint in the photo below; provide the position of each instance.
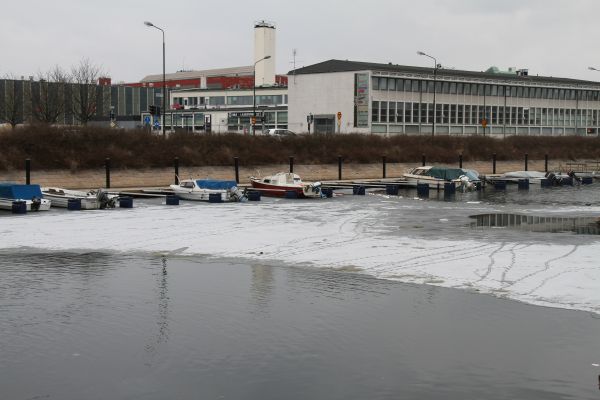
(330, 66)
(232, 71)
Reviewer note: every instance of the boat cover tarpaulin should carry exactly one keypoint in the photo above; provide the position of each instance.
(451, 174)
(214, 184)
(16, 191)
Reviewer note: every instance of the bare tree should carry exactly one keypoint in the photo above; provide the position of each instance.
(84, 77)
(11, 104)
(49, 100)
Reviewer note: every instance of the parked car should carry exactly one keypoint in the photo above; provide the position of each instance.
(279, 132)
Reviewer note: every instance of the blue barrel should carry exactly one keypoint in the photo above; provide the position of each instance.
(19, 207)
(172, 200)
(253, 195)
(587, 180)
(291, 194)
(392, 190)
(500, 185)
(327, 192)
(545, 182)
(358, 190)
(126, 202)
(74, 204)
(215, 198)
(523, 184)
(423, 190)
(449, 188)
(566, 181)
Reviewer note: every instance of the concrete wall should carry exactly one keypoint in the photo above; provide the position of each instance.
(322, 94)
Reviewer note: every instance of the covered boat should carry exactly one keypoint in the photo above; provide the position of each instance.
(201, 189)
(279, 184)
(92, 200)
(30, 194)
(465, 179)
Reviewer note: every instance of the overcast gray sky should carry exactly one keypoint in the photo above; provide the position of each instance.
(550, 37)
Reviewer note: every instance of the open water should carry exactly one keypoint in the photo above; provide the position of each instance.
(135, 316)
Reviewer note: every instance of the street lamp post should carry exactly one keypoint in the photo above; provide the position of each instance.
(435, 68)
(254, 93)
(164, 90)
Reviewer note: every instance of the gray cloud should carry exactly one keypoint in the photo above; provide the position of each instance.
(552, 37)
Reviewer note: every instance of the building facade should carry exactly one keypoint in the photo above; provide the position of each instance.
(394, 99)
(219, 111)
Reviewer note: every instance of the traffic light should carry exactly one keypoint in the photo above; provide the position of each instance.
(157, 110)
(152, 110)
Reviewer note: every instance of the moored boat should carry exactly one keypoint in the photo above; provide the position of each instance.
(202, 189)
(279, 184)
(465, 179)
(30, 194)
(92, 200)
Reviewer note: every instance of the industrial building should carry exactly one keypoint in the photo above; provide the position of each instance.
(396, 99)
(214, 107)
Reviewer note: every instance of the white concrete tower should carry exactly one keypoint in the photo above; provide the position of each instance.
(264, 45)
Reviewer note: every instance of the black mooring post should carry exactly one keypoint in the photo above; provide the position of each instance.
(236, 166)
(460, 161)
(176, 165)
(107, 167)
(546, 163)
(291, 164)
(340, 168)
(526, 161)
(383, 162)
(27, 171)
(494, 163)
(423, 159)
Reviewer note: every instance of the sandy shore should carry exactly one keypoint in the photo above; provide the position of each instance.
(157, 177)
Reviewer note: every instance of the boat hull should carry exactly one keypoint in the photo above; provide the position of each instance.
(280, 190)
(6, 204)
(87, 203)
(199, 194)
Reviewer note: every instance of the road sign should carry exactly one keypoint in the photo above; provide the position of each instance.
(484, 122)
(147, 120)
(156, 124)
(253, 120)
(339, 115)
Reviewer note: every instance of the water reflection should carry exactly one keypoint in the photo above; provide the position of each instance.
(262, 286)
(162, 335)
(534, 223)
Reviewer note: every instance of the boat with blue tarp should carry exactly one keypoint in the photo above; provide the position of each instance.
(207, 189)
(31, 195)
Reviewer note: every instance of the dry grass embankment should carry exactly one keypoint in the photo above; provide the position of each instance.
(83, 148)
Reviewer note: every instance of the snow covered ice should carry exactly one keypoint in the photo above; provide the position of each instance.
(393, 238)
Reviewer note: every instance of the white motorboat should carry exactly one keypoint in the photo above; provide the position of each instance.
(279, 184)
(30, 194)
(202, 189)
(92, 200)
(465, 179)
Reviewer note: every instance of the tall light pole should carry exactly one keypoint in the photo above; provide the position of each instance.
(435, 68)
(254, 93)
(164, 90)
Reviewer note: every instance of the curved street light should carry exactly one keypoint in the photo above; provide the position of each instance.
(435, 68)
(164, 87)
(254, 93)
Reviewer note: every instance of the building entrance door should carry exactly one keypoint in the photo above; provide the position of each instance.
(325, 124)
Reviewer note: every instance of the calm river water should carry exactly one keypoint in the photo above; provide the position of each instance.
(105, 326)
(141, 325)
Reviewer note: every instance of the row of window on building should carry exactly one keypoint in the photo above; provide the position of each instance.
(464, 114)
(479, 89)
(261, 100)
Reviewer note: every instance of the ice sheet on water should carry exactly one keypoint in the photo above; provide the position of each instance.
(368, 233)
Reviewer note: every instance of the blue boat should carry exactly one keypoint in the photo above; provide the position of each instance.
(30, 194)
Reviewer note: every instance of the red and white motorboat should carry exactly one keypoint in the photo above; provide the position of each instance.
(284, 184)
